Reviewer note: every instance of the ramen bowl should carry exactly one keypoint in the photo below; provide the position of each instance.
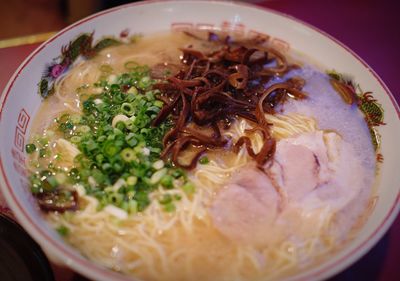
(21, 100)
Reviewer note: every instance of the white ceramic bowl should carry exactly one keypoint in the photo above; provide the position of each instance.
(20, 102)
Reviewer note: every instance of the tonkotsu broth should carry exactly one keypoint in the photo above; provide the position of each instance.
(189, 243)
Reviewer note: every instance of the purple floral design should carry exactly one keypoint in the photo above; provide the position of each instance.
(81, 46)
(56, 70)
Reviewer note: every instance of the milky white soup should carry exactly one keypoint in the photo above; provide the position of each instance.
(109, 185)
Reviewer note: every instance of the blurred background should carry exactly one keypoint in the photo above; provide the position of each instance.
(26, 17)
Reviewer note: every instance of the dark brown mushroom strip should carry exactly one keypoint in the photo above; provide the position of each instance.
(60, 200)
(256, 57)
(296, 82)
(246, 141)
(266, 151)
(164, 70)
(203, 97)
(165, 87)
(247, 115)
(190, 54)
(172, 134)
(239, 79)
(189, 72)
(216, 88)
(204, 80)
(247, 55)
(229, 100)
(281, 65)
(184, 83)
(296, 94)
(216, 73)
(235, 55)
(179, 146)
(217, 56)
(213, 141)
(260, 109)
(268, 148)
(192, 164)
(216, 129)
(345, 91)
(165, 111)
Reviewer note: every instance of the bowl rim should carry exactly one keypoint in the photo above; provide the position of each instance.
(90, 268)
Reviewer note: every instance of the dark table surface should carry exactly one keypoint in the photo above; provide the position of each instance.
(371, 29)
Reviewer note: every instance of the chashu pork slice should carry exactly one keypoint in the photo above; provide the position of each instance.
(303, 163)
(245, 209)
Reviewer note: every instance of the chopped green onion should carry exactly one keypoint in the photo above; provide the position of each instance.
(132, 206)
(115, 198)
(189, 188)
(204, 160)
(52, 181)
(63, 230)
(63, 118)
(99, 158)
(43, 141)
(106, 68)
(132, 90)
(167, 181)
(149, 95)
(157, 176)
(75, 139)
(98, 176)
(120, 126)
(43, 152)
(159, 164)
(128, 154)
(144, 82)
(127, 109)
(110, 149)
(115, 141)
(158, 103)
(83, 129)
(170, 207)
(117, 167)
(131, 65)
(76, 119)
(30, 148)
(36, 186)
(131, 140)
(61, 178)
(142, 200)
(131, 180)
(167, 198)
(178, 173)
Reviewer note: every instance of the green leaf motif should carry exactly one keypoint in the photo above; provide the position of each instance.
(373, 111)
(368, 105)
(82, 44)
(105, 43)
(43, 88)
